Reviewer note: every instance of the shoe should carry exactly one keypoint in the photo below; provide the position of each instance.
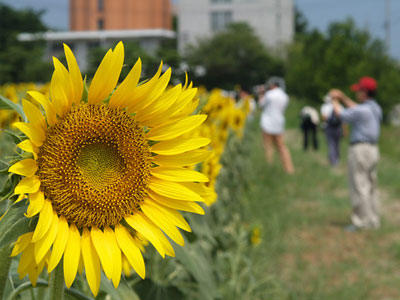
(351, 228)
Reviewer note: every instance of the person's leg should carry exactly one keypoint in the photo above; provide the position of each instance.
(268, 147)
(314, 136)
(331, 148)
(374, 198)
(360, 186)
(305, 138)
(337, 139)
(284, 153)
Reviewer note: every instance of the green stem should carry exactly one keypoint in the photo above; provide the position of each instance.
(5, 262)
(56, 283)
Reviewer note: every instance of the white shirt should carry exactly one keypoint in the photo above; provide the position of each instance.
(273, 106)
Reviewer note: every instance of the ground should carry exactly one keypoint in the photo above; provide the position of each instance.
(305, 253)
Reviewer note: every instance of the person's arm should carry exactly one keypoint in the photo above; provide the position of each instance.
(346, 100)
(337, 108)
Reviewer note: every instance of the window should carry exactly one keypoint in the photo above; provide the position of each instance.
(220, 19)
(100, 24)
(100, 5)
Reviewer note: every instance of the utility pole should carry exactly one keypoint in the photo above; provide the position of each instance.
(387, 25)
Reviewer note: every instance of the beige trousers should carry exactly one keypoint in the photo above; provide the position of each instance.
(363, 161)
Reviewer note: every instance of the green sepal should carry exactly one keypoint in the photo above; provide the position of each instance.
(14, 223)
(85, 92)
(8, 104)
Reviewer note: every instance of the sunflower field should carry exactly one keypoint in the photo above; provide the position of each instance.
(123, 189)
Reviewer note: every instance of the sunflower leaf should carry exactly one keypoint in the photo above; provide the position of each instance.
(8, 104)
(13, 224)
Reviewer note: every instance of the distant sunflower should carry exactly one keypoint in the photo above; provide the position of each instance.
(107, 172)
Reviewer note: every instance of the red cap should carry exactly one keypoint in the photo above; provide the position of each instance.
(365, 83)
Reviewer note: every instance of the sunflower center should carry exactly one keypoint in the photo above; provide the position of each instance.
(95, 165)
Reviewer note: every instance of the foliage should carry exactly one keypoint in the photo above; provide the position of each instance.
(320, 61)
(21, 61)
(233, 56)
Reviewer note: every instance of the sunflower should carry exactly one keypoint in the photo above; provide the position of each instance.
(109, 170)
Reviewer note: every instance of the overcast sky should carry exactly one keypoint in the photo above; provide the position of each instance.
(367, 13)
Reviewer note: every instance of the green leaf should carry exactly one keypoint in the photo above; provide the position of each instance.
(8, 104)
(14, 223)
(122, 293)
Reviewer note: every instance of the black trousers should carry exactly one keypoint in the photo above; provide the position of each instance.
(310, 132)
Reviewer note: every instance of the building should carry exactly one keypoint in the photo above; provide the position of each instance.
(272, 20)
(96, 23)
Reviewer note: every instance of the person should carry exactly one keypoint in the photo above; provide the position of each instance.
(309, 124)
(365, 119)
(273, 104)
(333, 128)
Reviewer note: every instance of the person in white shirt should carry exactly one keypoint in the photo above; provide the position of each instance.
(273, 104)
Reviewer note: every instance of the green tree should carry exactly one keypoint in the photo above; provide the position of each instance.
(234, 56)
(21, 61)
(318, 62)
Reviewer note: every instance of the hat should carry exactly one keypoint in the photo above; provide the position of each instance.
(365, 83)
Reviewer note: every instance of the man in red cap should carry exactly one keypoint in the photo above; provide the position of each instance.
(365, 118)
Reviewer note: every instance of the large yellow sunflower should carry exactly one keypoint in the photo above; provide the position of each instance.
(107, 171)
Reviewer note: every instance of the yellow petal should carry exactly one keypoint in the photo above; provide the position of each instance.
(27, 185)
(138, 223)
(20, 198)
(184, 159)
(101, 244)
(178, 174)
(107, 75)
(121, 96)
(178, 146)
(47, 105)
(185, 99)
(126, 267)
(26, 260)
(174, 190)
(22, 242)
(75, 73)
(45, 220)
(36, 202)
(66, 82)
(59, 244)
(91, 261)
(189, 206)
(57, 93)
(34, 133)
(72, 254)
(156, 216)
(26, 167)
(116, 255)
(130, 250)
(27, 146)
(33, 114)
(81, 265)
(176, 128)
(169, 214)
(44, 244)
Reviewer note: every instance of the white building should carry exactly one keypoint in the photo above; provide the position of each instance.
(272, 20)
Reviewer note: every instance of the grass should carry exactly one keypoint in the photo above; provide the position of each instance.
(304, 247)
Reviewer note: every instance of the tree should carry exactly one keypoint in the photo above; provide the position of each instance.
(318, 62)
(21, 61)
(234, 56)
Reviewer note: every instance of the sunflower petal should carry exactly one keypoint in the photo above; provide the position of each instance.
(178, 174)
(45, 220)
(72, 255)
(44, 244)
(101, 244)
(156, 216)
(189, 206)
(115, 254)
(26, 167)
(27, 185)
(184, 159)
(130, 250)
(36, 202)
(107, 75)
(47, 105)
(22, 242)
(174, 190)
(122, 94)
(175, 129)
(59, 244)
(27, 146)
(57, 93)
(34, 133)
(91, 261)
(76, 76)
(33, 114)
(178, 146)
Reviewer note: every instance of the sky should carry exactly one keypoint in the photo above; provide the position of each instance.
(368, 14)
